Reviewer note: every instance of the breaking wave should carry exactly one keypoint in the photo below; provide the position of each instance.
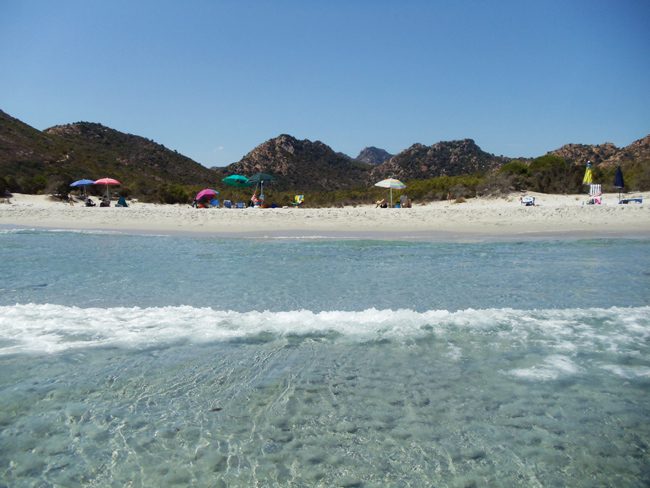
(48, 328)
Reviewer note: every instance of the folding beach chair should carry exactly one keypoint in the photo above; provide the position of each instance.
(227, 204)
(595, 194)
(240, 205)
(298, 200)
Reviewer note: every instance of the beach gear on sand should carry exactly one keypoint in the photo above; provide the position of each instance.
(619, 182)
(391, 183)
(298, 200)
(83, 184)
(237, 181)
(260, 178)
(108, 182)
(589, 176)
(595, 194)
(528, 201)
(206, 193)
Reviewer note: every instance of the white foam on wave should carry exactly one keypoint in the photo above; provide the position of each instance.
(628, 372)
(552, 368)
(48, 328)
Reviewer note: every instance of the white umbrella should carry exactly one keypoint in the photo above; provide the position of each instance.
(391, 183)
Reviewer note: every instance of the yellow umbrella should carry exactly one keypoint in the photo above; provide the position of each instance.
(589, 177)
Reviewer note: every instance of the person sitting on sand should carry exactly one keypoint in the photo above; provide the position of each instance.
(381, 203)
(90, 203)
(404, 201)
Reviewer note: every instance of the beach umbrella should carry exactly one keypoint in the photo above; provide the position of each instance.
(108, 182)
(618, 181)
(260, 178)
(82, 183)
(589, 177)
(391, 183)
(206, 193)
(238, 181)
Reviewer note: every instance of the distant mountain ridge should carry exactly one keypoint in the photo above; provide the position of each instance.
(301, 165)
(31, 159)
(450, 158)
(606, 154)
(373, 155)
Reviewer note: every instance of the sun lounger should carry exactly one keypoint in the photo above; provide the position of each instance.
(625, 201)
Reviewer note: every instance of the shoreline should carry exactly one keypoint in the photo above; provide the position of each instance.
(562, 217)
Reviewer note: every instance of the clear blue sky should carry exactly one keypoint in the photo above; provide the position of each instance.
(213, 79)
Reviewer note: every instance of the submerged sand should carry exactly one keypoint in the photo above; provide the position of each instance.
(554, 216)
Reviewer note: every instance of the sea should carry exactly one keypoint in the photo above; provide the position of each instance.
(134, 360)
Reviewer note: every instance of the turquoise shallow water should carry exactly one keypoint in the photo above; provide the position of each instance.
(178, 361)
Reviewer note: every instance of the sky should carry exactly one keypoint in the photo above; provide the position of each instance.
(213, 79)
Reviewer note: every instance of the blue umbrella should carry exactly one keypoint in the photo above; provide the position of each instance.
(618, 178)
(82, 183)
(618, 181)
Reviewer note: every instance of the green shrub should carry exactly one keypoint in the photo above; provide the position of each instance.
(173, 194)
(515, 168)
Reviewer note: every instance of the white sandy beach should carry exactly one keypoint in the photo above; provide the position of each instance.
(554, 216)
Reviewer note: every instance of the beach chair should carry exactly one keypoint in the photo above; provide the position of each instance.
(595, 194)
(227, 204)
(214, 203)
(298, 200)
(121, 202)
(528, 201)
(240, 205)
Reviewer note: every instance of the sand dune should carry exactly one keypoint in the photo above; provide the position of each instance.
(479, 218)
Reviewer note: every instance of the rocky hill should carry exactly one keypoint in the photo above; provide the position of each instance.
(373, 155)
(118, 153)
(606, 154)
(24, 146)
(35, 160)
(451, 158)
(302, 165)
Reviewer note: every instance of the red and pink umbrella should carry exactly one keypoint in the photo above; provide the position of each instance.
(207, 193)
(107, 182)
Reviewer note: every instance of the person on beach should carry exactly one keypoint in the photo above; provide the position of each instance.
(381, 203)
